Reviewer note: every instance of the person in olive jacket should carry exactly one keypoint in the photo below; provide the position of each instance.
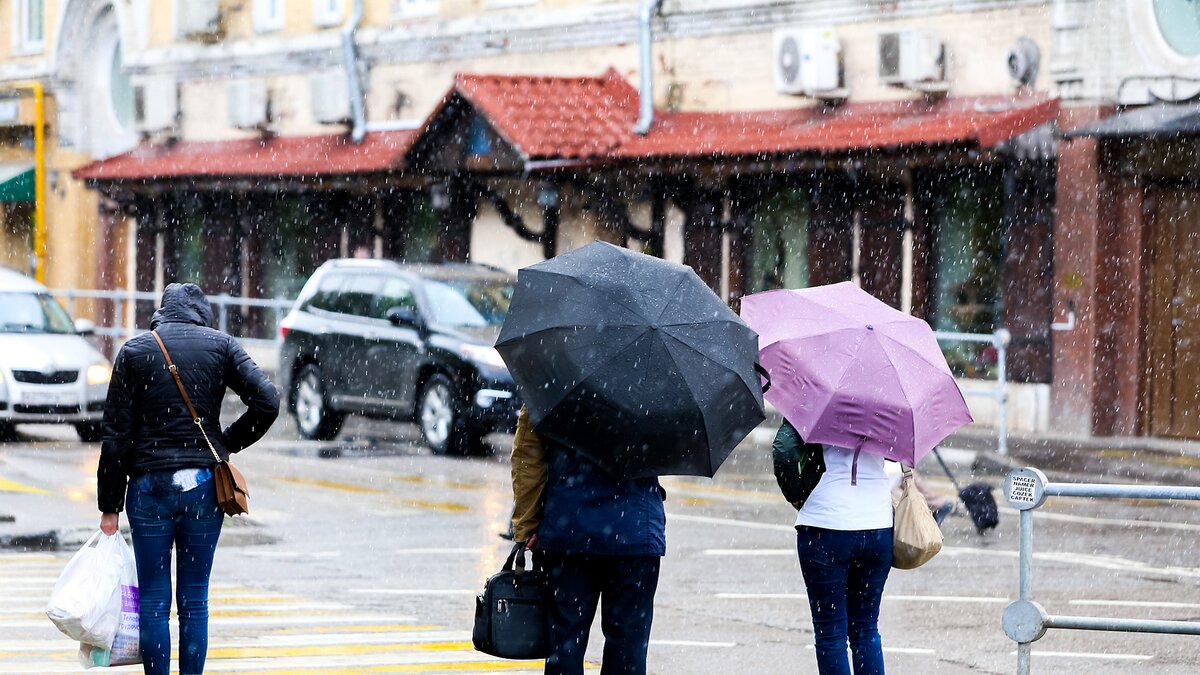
(601, 541)
(154, 456)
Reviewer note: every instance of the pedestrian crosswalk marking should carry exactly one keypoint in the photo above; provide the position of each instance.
(7, 485)
(428, 505)
(252, 630)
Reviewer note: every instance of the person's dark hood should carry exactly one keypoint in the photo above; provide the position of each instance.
(183, 303)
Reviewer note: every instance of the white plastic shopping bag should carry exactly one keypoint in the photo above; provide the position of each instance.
(126, 645)
(86, 603)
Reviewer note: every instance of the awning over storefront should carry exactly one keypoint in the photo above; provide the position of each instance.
(16, 183)
(1149, 121)
(559, 119)
(278, 157)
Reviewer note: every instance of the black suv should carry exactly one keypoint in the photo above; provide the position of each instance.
(409, 342)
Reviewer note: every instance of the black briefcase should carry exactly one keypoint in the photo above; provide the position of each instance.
(510, 614)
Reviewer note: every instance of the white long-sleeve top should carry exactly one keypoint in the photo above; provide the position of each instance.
(836, 504)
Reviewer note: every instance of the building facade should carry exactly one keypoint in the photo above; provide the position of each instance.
(921, 159)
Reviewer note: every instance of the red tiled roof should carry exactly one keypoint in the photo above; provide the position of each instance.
(593, 117)
(294, 156)
(982, 122)
(555, 117)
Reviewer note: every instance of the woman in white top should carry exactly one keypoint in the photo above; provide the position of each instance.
(844, 539)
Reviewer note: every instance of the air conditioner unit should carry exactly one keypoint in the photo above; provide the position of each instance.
(330, 97)
(248, 104)
(197, 18)
(11, 113)
(808, 61)
(911, 56)
(155, 104)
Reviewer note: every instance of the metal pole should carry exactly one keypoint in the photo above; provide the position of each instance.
(1124, 625)
(1122, 491)
(1024, 658)
(1002, 339)
(1025, 649)
(223, 312)
(1026, 553)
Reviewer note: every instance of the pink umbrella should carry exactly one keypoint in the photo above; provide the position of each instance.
(848, 370)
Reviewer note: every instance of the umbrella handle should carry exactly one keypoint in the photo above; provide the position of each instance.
(765, 374)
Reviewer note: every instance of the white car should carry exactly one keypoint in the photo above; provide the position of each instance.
(49, 374)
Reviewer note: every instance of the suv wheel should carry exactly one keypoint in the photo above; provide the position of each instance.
(443, 426)
(90, 432)
(314, 419)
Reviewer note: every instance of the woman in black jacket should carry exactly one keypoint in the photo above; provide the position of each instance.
(153, 452)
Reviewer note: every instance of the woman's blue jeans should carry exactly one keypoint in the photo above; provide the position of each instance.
(162, 517)
(844, 572)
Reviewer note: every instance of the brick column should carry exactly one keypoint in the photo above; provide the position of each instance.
(1082, 196)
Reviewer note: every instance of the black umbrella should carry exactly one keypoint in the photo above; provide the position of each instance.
(632, 361)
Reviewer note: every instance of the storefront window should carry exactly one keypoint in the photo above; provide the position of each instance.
(421, 233)
(779, 242)
(967, 279)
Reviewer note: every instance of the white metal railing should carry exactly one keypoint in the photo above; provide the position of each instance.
(125, 322)
(1025, 621)
(999, 391)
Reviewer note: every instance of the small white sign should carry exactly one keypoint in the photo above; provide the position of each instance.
(1022, 489)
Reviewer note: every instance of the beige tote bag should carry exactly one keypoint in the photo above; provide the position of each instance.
(916, 537)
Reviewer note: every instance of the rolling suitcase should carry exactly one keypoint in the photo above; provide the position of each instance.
(977, 498)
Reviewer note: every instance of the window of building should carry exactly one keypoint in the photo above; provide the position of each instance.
(1179, 24)
(29, 25)
(508, 4)
(120, 90)
(967, 277)
(268, 15)
(779, 242)
(328, 12)
(408, 9)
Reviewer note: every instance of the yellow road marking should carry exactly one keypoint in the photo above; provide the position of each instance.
(272, 612)
(333, 650)
(441, 482)
(334, 485)
(355, 628)
(451, 507)
(457, 667)
(241, 599)
(13, 486)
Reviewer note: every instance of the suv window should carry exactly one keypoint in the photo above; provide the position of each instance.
(357, 295)
(326, 296)
(396, 293)
(468, 302)
(346, 294)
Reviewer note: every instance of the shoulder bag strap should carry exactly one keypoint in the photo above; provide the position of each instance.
(187, 401)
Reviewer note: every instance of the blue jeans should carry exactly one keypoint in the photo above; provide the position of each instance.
(162, 517)
(577, 583)
(844, 573)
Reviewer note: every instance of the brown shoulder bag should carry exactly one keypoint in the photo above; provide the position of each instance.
(232, 495)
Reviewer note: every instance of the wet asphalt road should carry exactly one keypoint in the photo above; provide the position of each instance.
(364, 555)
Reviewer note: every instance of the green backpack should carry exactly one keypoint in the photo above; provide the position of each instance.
(798, 465)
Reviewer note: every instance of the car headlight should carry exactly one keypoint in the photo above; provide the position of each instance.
(484, 356)
(99, 373)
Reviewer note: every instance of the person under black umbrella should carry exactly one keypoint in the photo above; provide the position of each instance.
(598, 538)
(630, 368)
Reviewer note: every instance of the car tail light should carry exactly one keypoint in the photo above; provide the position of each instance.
(283, 331)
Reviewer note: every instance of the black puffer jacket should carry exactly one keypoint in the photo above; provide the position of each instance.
(146, 424)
